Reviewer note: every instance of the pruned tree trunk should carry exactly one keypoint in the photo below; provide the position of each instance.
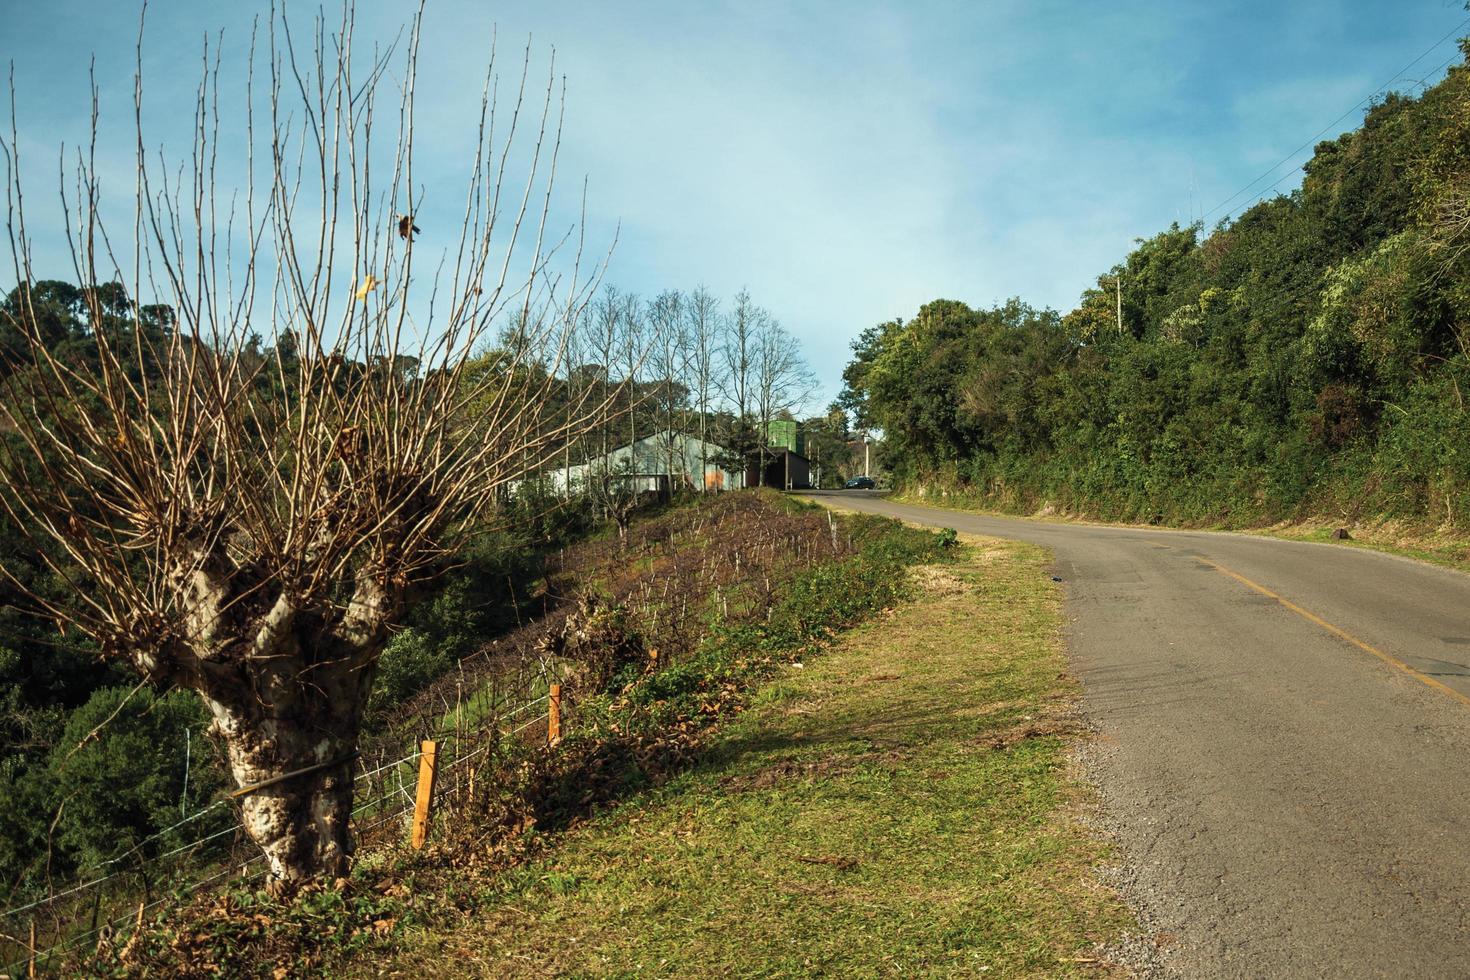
(286, 681)
(301, 822)
(294, 757)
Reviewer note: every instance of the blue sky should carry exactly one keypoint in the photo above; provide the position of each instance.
(845, 161)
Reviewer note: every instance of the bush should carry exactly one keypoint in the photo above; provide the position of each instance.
(465, 607)
(134, 777)
(410, 662)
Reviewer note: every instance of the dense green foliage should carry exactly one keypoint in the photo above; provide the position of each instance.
(127, 765)
(58, 810)
(1310, 357)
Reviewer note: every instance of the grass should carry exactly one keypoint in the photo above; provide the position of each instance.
(899, 805)
(1447, 547)
(1435, 547)
(804, 576)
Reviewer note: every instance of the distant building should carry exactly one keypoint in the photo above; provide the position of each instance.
(784, 470)
(664, 462)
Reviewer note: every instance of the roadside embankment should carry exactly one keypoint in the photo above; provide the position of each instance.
(899, 803)
(1444, 544)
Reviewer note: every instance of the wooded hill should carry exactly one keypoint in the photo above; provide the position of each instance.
(1310, 357)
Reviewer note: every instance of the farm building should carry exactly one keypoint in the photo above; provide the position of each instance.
(785, 470)
(663, 462)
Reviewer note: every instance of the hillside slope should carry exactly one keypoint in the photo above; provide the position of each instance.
(899, 804)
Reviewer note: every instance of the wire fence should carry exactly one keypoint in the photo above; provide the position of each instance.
(691, 577)
(501, 712)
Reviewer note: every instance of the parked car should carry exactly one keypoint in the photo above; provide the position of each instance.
(859, 483)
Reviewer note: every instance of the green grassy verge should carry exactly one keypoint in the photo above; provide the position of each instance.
(1447, 547)
(898, 805)
(1436, 548)
(785, 578)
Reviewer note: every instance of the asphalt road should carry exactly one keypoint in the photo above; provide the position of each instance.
(1290, 783)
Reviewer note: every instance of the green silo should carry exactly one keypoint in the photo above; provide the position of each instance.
(786, 433)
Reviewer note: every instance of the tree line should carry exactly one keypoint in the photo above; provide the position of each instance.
(1310, 357)
(690, 363)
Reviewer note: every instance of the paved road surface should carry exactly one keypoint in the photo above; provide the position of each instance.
(1292, 784)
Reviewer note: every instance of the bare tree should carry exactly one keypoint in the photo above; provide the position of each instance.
(606, 319)
(578, 389)
(670, 353)
(737, 361)
(702, 315)
(251, 528)
(781, 379)
(632, 348)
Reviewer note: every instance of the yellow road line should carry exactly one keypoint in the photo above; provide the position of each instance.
(1389, 659)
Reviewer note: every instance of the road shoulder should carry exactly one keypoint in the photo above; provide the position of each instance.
(1446, 547)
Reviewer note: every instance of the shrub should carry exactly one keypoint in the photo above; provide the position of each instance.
(146, 766)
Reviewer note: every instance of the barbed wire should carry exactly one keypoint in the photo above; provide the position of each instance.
(533, 721)
(203, 840)
(486, 731)
(75, 941)
(111, 861)
(387, 817)
(523, 706)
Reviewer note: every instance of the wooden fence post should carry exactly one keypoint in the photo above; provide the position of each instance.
(553, 715)
(31, 964)
(423, 803)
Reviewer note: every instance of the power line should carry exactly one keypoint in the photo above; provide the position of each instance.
(1325, 129)
(1353, 164)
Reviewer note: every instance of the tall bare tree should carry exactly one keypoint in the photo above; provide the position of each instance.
(605, 331)
(781, 379)
(632, 349)
(702, 316)
(576, 386)
(670, 353)
(741, 328)
(251, 528)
